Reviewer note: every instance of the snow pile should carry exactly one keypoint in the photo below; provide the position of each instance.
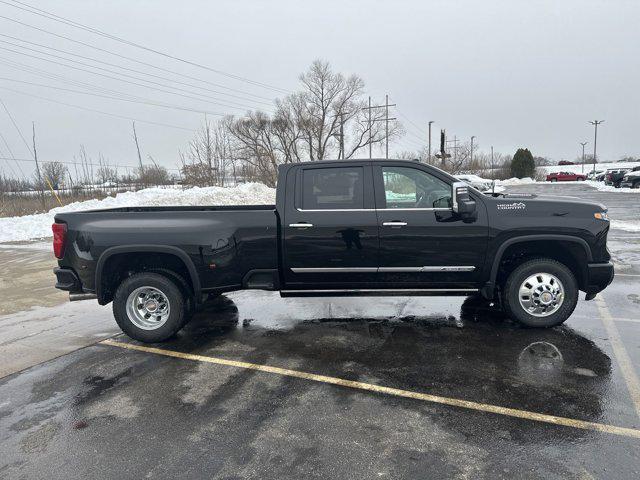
(39, 225)
(609, 188)
(516, 181)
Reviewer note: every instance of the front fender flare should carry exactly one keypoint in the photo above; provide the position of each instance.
(488, 289)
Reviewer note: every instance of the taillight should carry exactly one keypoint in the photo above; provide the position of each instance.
(59, 237)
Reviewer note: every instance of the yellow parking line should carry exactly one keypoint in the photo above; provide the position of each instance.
(620, 352)
(455, 402)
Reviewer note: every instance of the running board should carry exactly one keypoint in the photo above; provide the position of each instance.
(380, 292)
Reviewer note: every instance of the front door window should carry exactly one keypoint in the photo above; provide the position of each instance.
(406, 187)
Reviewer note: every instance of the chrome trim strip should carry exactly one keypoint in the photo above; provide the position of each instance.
(301, 225)
(439, 209)
(335, 270)
(394, 224)
(366, 290)
(338, 210)
(435, 269)
(464, 268)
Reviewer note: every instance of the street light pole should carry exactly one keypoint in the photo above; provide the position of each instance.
(493, 178)
(429, 157)
(583, 144)
(471, 152)
(595, 123)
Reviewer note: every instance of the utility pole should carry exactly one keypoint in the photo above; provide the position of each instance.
(386, 125)
(35, 157)
(583, 144)
(429, 157)
(341, 136)
(443, 155)
(595, 123)
(135, 137)
(370, 127)
(455, 147)
(493, 175)
(385, 119)
(471, 149)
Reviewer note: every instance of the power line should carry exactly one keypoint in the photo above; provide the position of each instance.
(97, 111)
(139, 71)
(95, 31)
(111, 97)
(13, 172)
(125, 75)
(17, 128)
(6, 144)
(130, 58)
(83, 163)
(406, 118)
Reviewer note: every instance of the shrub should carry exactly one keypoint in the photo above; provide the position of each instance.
(523, 164)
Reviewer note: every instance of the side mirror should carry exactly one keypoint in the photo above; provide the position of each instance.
(463, 204)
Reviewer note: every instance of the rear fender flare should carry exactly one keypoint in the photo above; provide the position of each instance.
(168, 249)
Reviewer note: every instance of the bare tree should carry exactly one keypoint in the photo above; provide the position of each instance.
(55, 172)
(209, 155)
(153, 175)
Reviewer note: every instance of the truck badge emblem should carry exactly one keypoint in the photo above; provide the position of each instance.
(512, 206)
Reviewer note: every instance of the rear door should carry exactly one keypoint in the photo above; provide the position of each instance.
(330, 229)
(423, 243)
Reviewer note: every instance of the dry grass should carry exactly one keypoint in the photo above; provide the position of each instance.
(18, 205)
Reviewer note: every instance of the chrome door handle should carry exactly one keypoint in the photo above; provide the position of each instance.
(394, 224)
(301, 225)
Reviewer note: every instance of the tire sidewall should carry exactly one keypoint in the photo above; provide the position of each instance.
(521, 273)
(168, 288)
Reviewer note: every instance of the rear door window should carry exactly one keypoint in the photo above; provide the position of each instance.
(338, 188)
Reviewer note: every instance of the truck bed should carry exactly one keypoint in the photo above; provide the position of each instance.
(181, 208)
(223, 243)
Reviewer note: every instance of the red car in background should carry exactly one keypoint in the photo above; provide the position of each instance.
(566, 177)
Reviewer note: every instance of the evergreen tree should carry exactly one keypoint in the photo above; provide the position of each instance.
(523, 164)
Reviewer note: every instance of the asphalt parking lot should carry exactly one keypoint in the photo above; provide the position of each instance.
(262, 387)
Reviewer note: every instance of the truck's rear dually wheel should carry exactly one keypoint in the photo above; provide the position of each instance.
(149, 307)
(540, 293)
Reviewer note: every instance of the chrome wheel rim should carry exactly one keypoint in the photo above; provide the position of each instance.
(541, 294)
(148, 308)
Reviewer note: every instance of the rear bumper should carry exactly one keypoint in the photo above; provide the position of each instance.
(67, 280)
(599, 276)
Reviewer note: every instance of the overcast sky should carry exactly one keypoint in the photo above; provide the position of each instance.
(512, 73)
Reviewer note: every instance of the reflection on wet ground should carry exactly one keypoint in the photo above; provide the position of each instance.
(477, 354)
(200, 420)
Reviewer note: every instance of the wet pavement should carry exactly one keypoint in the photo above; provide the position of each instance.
(116, 413)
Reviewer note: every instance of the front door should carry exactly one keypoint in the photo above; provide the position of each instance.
(423, 243)
(331, 229)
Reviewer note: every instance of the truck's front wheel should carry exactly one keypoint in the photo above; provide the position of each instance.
(149, 307)
(540, 293)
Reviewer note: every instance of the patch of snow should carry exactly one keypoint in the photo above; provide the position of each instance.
(30, 227)
(516, 181)
(609, 188)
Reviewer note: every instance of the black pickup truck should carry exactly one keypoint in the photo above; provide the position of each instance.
(375, 227)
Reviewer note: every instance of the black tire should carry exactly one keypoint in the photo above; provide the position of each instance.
(636, 184)
(580, 179)
(169, 289)
(190, 301)
(511, 301)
